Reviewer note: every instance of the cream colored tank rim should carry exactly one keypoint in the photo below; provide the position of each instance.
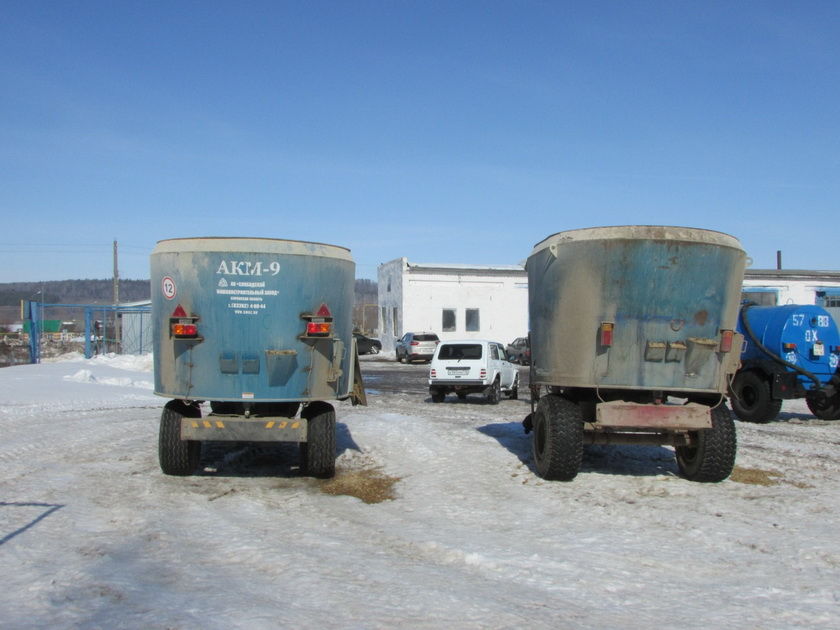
(256, 245)
(647, 232)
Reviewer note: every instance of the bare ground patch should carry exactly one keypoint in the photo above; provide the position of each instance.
(369, 485)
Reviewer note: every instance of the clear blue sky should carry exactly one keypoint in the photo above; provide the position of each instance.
(454, 132)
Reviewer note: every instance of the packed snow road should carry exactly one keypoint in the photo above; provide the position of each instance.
(435, 519)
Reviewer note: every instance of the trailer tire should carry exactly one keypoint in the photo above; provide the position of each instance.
(558, 438)
(711, 457)
(318, 452)
(825, 409)
(176, 456)
(751, 398)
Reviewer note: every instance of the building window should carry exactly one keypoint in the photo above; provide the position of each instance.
(472, 320)
(396, 327)
(828, 300)
(448, 321)
(761, 297)
(384, 319)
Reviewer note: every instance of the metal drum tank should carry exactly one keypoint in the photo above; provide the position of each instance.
(261, 328)
(623, 317)
(790, 351)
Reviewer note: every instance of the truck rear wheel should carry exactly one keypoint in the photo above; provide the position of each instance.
(318, 452)
(558, 438)
(751, 398)
(177, 456)
(825, 409)
(711, 457)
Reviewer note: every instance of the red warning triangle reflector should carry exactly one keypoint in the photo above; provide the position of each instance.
(179, 311)
(324, 311)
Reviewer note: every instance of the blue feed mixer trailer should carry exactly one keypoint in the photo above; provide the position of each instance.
(632, 334)
(790, 351)
(261, 329)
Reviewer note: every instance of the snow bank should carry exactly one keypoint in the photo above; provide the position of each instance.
(92, 535)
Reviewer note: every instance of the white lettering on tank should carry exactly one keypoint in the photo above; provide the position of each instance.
(247, 268)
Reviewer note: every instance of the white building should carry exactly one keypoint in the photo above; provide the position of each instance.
(794, 286)
(454, 301)
(491, 302)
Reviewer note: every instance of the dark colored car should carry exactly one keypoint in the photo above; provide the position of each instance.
(367, 345)
(519, 351)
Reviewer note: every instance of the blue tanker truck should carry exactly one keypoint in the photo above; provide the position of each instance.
(633, 341)
(261, 330)
(790, 351)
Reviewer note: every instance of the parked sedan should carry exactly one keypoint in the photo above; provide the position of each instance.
(416, 346)
(367, 345)
(519, 351)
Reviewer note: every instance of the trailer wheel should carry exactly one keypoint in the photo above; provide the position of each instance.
(711, 457)
(318, 452)
(558, 438)
(177, 456)
(438, 396)
(751, 398)
(494, 393)
(825, 409)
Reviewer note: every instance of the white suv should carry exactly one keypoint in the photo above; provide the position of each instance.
(416, 345)
(472, 366)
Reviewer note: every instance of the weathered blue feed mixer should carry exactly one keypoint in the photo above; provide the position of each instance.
(633, 342)
(261, 329)
(790, 351)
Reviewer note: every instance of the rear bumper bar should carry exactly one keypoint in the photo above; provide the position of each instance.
(627, 415)
(225, 428)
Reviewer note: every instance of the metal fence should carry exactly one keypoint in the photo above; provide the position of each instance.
(120, 329)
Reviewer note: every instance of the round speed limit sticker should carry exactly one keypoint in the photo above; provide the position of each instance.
(168, 285)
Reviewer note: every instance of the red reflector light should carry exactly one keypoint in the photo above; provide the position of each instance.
(179, 311)
(318, 328)
(184, 330)
(789, 347)
(434, 373)
(414, 343)
(726, 337)
(324, 311)
(607, 334)
(483, 373)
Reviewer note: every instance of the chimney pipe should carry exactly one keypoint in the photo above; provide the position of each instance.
(778, 259)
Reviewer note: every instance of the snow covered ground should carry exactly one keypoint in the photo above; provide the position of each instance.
(92, 535)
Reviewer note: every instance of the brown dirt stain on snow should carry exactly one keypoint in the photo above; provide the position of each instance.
(369, 485)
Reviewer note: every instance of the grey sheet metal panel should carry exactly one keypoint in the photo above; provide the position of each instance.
(247, 297)
(668, 290)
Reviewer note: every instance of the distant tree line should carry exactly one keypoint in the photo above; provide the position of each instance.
(73, 291)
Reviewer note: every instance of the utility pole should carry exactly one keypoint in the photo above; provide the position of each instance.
(116, 298)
